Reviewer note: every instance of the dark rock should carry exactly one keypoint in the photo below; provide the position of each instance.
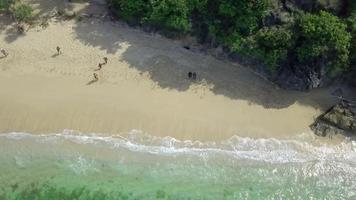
(338, 93)
(350, 77)
(334, 6)
(304, 77)
(68, 14)
(278, 17)
(22, 27)
(324, 129)
(339, 119)
(306, 5)
(299, 78)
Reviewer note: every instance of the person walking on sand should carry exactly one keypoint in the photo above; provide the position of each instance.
(100, 65)
(59, 50)
(4, 52)
(105, 60)
(96, 77)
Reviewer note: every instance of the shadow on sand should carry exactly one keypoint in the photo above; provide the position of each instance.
(168, 63)
(92, 81)
(12, 34)
(55, 55)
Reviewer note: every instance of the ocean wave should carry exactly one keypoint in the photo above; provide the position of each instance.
(266, 150)
(239, 166)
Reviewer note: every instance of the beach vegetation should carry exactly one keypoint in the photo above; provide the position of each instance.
(133, 11)
(22, 13)
(270, 45)
(5, 5)
(170, 14)
(323, 39)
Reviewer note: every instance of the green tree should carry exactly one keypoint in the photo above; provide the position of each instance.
(132, 10)
(271, 45)
(323, 40)
(170, 14)
(22, 13)
(6, 4)
(222, 21)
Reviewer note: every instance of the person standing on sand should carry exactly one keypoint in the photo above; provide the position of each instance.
(190, 75)
(59, 50)
(4, 52)
(105, 60)
(194, 76)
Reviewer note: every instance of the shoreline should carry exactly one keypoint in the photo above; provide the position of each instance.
(145, 81)
(39, 105)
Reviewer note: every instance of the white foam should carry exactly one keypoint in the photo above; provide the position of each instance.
(266, 150)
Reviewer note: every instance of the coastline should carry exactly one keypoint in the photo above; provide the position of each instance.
(139, 128)
(143, 87)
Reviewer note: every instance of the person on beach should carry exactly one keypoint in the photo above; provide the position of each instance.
(105, 60)
(96, 77)
(4, 52)
(59, 50)
(190, 75)
(194, 76)
(100, 65)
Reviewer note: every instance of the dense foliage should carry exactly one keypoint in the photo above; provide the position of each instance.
(170, 14)
(5, 4)
(271, 45)
(323, 39)
(315, 35)
(22, 12)
(132, 10)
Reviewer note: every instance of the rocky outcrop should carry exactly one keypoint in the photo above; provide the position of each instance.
(334, 6)
(303, 77)
(340, 119)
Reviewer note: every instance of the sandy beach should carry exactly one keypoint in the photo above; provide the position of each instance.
(144, 86)
(142, 129)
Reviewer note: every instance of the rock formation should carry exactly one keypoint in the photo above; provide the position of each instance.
(339, 119)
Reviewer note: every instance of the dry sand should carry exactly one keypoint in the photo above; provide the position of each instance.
(144, 85)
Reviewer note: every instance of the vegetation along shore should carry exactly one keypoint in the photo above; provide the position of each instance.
(177, 99)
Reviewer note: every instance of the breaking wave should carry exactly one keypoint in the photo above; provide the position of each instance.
(266, 150)
(73, 165)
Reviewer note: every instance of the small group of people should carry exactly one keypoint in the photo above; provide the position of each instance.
(4, 52)
(100, 65)
(192, 75)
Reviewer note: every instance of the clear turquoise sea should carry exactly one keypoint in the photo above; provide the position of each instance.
(75, 166)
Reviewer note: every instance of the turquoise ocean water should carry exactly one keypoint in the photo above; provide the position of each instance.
(71, 165)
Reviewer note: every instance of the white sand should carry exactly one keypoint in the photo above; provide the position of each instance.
(144, 85)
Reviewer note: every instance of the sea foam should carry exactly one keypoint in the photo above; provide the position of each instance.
(267, 150)
(297, 168)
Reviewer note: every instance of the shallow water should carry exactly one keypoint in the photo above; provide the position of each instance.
(72, 165)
